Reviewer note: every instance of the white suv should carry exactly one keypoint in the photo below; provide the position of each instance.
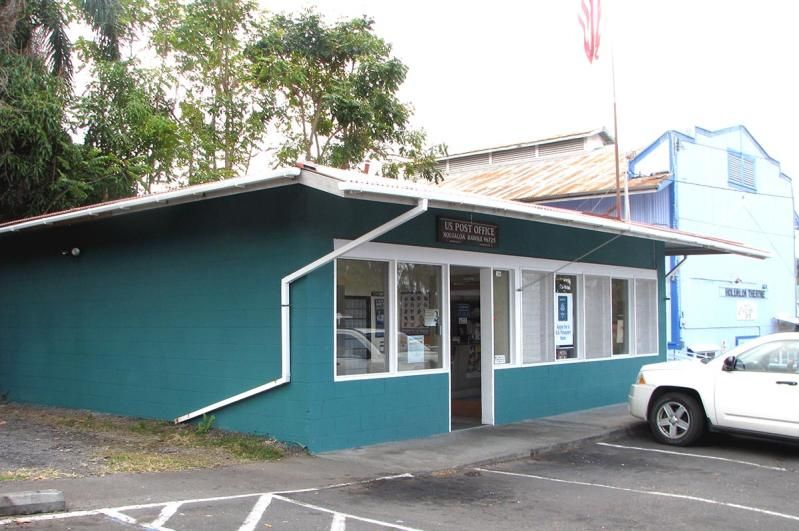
(753, 389)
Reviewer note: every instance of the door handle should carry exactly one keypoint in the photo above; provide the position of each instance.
(785, 382)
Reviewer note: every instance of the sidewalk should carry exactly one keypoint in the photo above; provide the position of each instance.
(476, 446)
(490, 444)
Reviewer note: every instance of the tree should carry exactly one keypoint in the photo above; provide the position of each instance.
(41, 169)
(334, 92)
(38, 28)
(221, 120)
(125, 114)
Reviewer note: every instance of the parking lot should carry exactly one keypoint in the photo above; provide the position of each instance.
(629, 482)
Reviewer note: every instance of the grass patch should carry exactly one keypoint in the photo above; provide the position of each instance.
(20, 474)
(246, 447)
(123, 444)
(154, 461)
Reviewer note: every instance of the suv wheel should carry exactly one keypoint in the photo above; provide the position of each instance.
(677, 419)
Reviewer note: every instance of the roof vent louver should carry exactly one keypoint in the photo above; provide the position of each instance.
(515, 155)
(468, 163)
(564, 146)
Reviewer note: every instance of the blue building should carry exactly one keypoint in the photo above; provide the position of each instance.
(720, 183)
(330, 308)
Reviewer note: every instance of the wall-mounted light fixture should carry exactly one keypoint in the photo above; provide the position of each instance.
(75, 251)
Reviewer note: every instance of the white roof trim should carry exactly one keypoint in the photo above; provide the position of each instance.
(148, 202)
(683, 242)
(351, 184)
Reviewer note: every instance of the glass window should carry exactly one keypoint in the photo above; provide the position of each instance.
(537, 338)
(779, 356)
(565, 317)
(361, 318)
(501, 281)
(597, 317)
(646, 316)
(419, 314)
(620, 326)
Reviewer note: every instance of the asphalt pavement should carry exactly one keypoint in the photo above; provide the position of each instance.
(478, 446)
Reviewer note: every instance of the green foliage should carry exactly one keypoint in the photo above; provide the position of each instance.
(334, 91)
(221, 120)
(329, 91)
(126, 115)
(204, 426)
(37, 28)
(33, 142)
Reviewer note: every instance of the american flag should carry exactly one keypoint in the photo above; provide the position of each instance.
(589, 21)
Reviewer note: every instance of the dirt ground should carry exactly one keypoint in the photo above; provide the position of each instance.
(45, 443)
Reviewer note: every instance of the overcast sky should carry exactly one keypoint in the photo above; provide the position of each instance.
(495, 72)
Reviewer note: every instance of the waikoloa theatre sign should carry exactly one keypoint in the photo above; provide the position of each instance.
(462, 231)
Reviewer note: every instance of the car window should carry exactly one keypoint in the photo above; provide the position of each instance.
(777, 356)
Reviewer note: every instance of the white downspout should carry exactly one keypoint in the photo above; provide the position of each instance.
(285, 320)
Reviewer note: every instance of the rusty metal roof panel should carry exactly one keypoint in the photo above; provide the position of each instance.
(586, 173)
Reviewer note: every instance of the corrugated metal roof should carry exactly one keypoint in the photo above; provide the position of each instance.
(572, 175)
(545, 140)
(361, 186)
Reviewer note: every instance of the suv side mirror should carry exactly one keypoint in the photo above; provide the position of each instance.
(729, 364)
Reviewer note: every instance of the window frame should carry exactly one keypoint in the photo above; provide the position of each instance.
(392, 330)
(393, 253)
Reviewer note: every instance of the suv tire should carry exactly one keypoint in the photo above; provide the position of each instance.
(677, 419)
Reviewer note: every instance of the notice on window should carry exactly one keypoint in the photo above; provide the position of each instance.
(415, 349)
(564, 325)
(431, 317)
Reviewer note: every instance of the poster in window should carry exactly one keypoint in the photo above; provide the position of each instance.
(379, 313)
(415, 349)
(564, 322)
(413, 306)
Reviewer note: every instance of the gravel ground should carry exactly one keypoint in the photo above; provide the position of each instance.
(46, 443)
(30, 447)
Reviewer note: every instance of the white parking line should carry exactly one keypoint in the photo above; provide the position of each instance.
(360, 518)
(339, 522)
(700, 456)
(119, 517)
(166, 513)
(256, 513)
(647, 492)
(170, 507)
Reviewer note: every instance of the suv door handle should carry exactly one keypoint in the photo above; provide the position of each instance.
(785, 382)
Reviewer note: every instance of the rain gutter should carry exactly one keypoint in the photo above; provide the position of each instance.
(285, 304)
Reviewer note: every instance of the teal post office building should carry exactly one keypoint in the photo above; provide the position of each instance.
(332, 309)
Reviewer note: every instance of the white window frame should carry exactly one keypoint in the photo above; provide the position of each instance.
(512, 311)
(392, 341)
(445, 258)
(389, 343)
(632, 347)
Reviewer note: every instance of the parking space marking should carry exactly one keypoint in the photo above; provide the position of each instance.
(169, 508)
(345, 515)
(166, 513)
(118, 516)
(256, 513)
(647, 492)
(339, 522)
(700, 456)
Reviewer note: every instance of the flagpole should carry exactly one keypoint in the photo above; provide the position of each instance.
(616, 134)
(615, 131)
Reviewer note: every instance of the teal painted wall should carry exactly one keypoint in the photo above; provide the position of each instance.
(169, 310)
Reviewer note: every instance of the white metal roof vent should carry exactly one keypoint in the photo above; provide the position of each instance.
(468, 163)
(563, 146)
(515, 155)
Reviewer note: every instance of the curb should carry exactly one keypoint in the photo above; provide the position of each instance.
(562, 446)
(32, 502)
